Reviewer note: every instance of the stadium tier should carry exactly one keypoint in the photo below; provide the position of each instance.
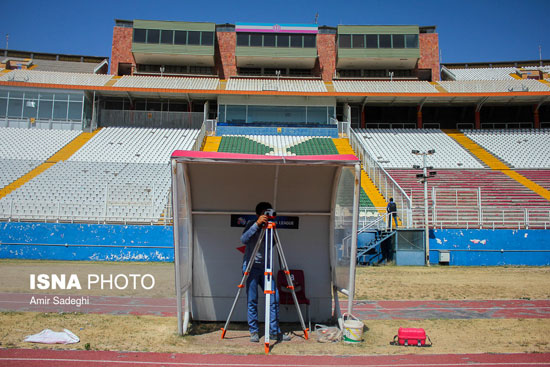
(539, 176)
(472, 199)
(135, 145)
(53, 77)
(166, 82)
(120, 175)
(356, 86)
(392, 148)
(482, 73)
(494, 86)
(282, 85)
(518, 148)
(281, 91)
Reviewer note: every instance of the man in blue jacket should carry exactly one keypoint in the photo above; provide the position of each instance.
(249, 238)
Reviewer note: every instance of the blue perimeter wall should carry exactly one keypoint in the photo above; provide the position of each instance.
(491, 247)
(92, 242)
(101, 242)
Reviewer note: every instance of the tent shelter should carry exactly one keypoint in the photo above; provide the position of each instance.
(316, 199)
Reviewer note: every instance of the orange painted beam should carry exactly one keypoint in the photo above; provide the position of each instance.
(269, 93)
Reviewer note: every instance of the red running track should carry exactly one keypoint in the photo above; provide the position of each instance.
(65, 358)
(373, 310)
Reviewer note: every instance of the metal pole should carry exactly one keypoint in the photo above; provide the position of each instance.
(426, 226)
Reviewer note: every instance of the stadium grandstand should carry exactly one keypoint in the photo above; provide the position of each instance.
(88, 139)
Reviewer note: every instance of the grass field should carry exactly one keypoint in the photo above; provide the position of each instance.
(151, 333)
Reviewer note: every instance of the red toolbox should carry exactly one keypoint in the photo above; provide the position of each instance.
(411, 336)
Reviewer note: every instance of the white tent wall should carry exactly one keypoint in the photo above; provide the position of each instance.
(215, 189)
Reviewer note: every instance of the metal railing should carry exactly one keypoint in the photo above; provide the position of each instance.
(154, 119)
(473, 217)
(27, 123)
(344, 127)
(106, 211)
(385, 183)
(390, 125)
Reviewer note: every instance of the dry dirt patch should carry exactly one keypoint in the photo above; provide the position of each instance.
(158, 334)
(450, 283)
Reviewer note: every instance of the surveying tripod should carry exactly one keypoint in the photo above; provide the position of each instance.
(270, 237)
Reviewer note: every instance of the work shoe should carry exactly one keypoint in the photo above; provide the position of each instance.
(254, 338)
(280, 337)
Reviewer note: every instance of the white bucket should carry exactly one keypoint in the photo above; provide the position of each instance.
(353, 329)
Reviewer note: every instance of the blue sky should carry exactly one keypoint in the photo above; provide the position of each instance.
(469, 30)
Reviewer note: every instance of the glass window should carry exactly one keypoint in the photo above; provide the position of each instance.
(194, 37)
(358, 41)
(15, 107)
(309, 40)
(317, 115)
(4, 93)
(283, 40)
(167, 37)
(180, 37)
(72, 97)
(385, 40)
(344, 41)
(236, 113)
(411, 40)
(61, 96)
(296, 40)
(139, 35)
(30, 107)
(45, 109)
(221, 113)
(47, 96)
(75, 111)
(207, 38)
(256, 40)
(398, 40)
(269, 40)
(331, 112)
(15, 94)
(31, 95)
(372, 41)
(60, 110)
(3, 106)
(153, 36)
(242, 39)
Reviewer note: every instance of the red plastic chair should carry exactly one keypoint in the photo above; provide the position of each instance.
(285, 294)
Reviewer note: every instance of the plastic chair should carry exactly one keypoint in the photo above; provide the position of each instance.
(285, 294)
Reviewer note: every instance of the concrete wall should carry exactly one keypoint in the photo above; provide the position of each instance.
(94, 242)
(488, 247)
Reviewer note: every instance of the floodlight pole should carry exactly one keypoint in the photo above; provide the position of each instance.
(426, 226)
(424, 177)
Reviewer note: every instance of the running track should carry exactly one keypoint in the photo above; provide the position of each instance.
(66, 358)
(366, 310)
